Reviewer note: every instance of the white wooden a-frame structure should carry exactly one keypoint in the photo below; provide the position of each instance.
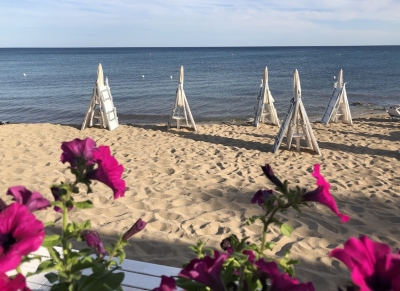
(101, 106)
(265, 111)
(296, 124)
(181, 110)
(338, 108)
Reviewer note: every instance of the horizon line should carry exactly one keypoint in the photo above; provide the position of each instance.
(186, 47)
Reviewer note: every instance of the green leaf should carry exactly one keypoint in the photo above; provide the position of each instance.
(27, 259)
(286, 229)
(50, 223)
(84, 263)
(293, 262)
(189, 285)
(86, 252)
(120, 255)
(83, 204)
(102, 281)
(270, 245)
(55, 255)
(86, 224)
(51, 240)
(45, 266)
(52, 277)
(59, 287)
(57, 203)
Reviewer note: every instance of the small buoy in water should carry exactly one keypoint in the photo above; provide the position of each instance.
(24, 74)
(170, 77)
(334, 77)
(142, 76)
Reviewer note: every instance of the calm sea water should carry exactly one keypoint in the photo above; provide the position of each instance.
(220, 83)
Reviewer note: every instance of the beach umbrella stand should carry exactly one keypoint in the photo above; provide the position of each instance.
(338, 108)
(181, 110)
(296, 124)
(101, 109)
(265, 112)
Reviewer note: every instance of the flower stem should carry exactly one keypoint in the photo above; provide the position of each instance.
(64, 239)
(241, 279)
(113, 252)
(266, 224)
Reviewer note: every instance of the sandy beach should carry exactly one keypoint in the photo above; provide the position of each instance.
(198, 185)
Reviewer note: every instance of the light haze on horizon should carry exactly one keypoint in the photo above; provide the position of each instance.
(198, 23)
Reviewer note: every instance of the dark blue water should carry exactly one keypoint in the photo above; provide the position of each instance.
(220, 83)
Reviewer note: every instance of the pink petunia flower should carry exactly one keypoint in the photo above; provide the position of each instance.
(92, 238)
(137, 226)
(20, 234)
(77, 148)
(260, 196)
(251, 255)
(373, 266)
(34, 201)
(206, 271)
(278, 281)
(109, 171)
(322, 194)
(13, 284)
(167, 284)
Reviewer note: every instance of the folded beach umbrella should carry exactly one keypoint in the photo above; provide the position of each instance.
(296, 124)
(181, 110)
(338, 108)
(101, 109)
(100, 76)
(266, 111)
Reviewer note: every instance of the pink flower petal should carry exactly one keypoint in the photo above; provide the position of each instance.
(20, 234)
(322, 194)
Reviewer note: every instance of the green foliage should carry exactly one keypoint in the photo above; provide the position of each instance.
(286, 229)
(51, 240)
(83, 205)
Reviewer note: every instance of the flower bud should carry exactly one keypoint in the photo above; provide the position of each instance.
(260, 195)
(270, 175)
(138, 226)
(92, 238)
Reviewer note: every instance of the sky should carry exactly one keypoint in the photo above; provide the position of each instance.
(198, 23)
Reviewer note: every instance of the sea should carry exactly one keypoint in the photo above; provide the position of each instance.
(54, 85)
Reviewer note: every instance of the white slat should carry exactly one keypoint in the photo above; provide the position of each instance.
(139, 276)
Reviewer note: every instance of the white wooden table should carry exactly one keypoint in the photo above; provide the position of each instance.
(139, 276)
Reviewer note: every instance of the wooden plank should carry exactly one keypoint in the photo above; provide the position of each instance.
(331, 108)
(283, 128)
(310, 131)
(139, 276)
(149, 269)
(108, 107)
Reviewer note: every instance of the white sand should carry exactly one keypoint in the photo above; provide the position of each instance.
(191, 186)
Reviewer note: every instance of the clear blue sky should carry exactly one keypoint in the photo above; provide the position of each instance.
(155, 23)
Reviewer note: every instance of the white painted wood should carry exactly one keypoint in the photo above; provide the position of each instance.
(181, 109)
(331, 108)
(338, 108)
(284, 127)
(139, 276)
(101, 107)
(265, 111)
(393, 111)
(312, 143)
(296, 124)
(110, 112)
